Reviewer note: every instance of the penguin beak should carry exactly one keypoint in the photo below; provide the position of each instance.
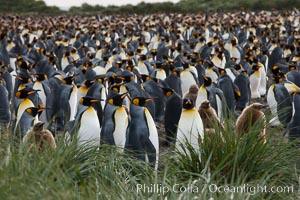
(149, 99)
(124, 95)
(95, 100)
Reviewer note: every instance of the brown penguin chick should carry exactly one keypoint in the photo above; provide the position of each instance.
(192, 93)
(210, 119)
(208, 115)
(39, 138)
(251, 114)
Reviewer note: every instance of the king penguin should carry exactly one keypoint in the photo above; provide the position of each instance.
(294, 125)
(243, 83)
(25, 103)
(115, 122)
(88, 124)
(172, 114)
(255, 78)
(190, 127)
(4, 106)
(143, 136)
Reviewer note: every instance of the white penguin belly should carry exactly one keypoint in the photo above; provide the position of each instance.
(121, 124)
(89, 131)
(273, 107)
(73, 101)
(254, 85)
(153, 134)
(190, 128)
(187, 79)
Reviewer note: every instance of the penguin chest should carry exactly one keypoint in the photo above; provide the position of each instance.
(64, 63)
(187, 79)
(161, 74)
(211, 74)
(89, 131)
(190, 128)
(202, 95)
(273, 106)
(121, 124)
(263, 81)
(39, 86)
(143, 68)
(255, 84)
(73, 102)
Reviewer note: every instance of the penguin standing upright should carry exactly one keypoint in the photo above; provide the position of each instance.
(143, 136)
(44, 93)
(172, 114)
(250, 116)
(294, 125)
(4, 106)
(115, 122)
(39, 138)
(88, 124)
(190, 127)
(243, 83)
(255, 78)
(25, 103)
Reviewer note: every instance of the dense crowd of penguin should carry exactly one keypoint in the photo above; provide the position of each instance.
(109, 79)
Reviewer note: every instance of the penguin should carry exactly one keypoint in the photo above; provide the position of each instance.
(187, 78)
(211, 122)
(142, 139)
(190, 127)
(209, 116)
(25, 103)
(252, 115)
(172, 114)
(87, 123)
(279, 101)
(293, 75)
(44, 93)
(294, 125)
(243, 83)
(230, 90)
(39, 138)
(211, 71)
(174, 82)
(255, 78)
(192, 93)
(5, 115)
(152, 87)
(115, 122)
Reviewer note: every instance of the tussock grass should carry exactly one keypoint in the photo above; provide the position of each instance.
(85, 172)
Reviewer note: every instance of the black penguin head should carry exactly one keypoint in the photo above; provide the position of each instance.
(24, 93)
(33, 111)
(88, 83)
(168, 91)
(221, 71)
(88, 101)
(141, 101)
(24, 79)
(39, 126)
(206, 81)
(188, 103)
(40, 77)
(117, 100)
(69, 80)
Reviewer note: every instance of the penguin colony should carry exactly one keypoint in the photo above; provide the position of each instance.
(110, 79)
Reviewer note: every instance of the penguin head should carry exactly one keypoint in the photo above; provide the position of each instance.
(39, 126)
(257, 106)
(141, 101)
(188, 103)
(205, 104)
(88, 83)
(40, 77)
(168, 91)
(88, 101)
(194, 89)
(23, 79)
(292, 67)
(33, 111)
(68, 80)
(206, 81)
(24, 93)
(221, 71)
(117, 100)
(278, 79)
